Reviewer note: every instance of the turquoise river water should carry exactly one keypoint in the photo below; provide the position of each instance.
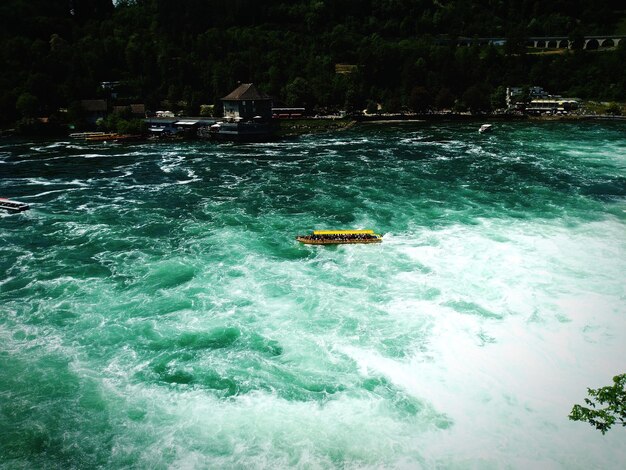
(156, 311)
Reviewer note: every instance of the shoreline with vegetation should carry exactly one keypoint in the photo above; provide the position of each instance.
(290, 128)
(298, 127)
(113, 61)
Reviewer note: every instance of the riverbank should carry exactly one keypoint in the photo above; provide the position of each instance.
(296, 127)
(286, 128)
(382, 118)
(318, 125)
(578, 117)
(322, 124)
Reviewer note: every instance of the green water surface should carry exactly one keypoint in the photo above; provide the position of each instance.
(157, 312)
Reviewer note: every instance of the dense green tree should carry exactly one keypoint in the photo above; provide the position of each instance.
(477, 98)
(27, 105)
(498, 98)
(372, 107)
(420, 100)
(444, 99)
(612, 399)
(614, 109)
(194, 52)
(298, 93)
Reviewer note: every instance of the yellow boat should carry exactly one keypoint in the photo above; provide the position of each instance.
(337, 237)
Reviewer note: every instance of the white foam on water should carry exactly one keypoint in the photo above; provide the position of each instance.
(458, 346)
(260, 430)
(559, 326)
(56, 181)
(55, 145)
(45, 193)
(519, 329)
(510, 399)
(98, 155)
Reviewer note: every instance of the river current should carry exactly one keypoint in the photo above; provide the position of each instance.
(157, 312)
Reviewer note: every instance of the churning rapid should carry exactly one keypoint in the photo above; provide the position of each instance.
(156, 310)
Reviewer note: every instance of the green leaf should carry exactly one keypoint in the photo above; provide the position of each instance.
(614, 396)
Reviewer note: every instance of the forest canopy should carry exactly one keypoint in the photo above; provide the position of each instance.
(400, 53)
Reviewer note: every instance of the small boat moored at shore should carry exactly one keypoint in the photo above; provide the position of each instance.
(85, 135)
(114, 137)
(337, 237)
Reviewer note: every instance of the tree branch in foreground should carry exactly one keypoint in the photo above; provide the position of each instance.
(613, 396)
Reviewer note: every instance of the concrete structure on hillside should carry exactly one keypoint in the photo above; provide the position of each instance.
(536, 100)
(562, 42)
(545, 42)
(517, 97)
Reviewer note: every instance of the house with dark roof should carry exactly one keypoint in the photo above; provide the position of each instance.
(134, 110)
(94, 110)
(138, 109)
(247, 103)
(247, 117)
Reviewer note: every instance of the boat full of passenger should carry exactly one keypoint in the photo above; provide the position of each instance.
(337, 237)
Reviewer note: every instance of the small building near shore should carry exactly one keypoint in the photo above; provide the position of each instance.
(518, 97)
(162, 126)
(247, 117)
(134, 110)
(551, 105)
(247, 103)
(172, 126)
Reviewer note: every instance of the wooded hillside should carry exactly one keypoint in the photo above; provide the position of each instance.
(187, 53)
